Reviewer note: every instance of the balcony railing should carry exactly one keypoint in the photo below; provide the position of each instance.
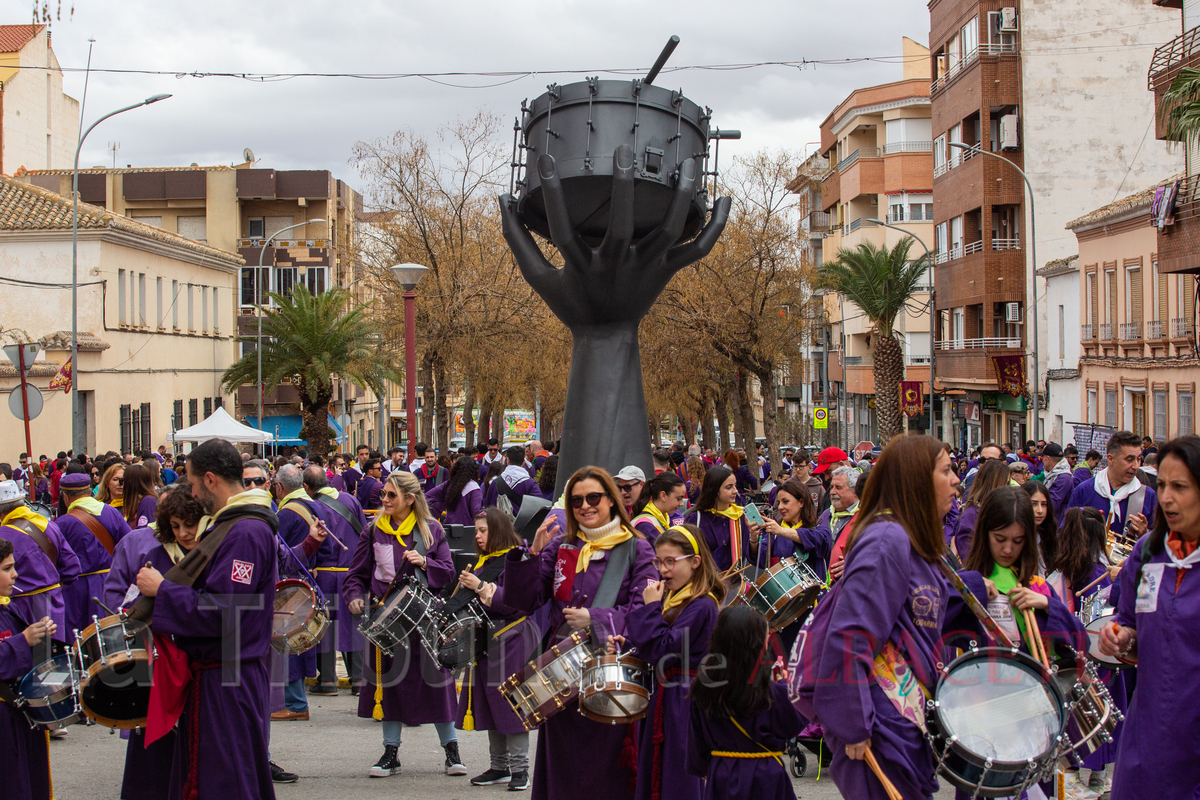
(989, 343)
(1087, 333)
(968, 58)
(1006, 244)
(862, 152)
(1131, 331)
(852, 361)
(819, 222)
(941, 169)
(1106, 332)
(1154, 329)
(1170, 55)
(916, 360)
(973, 247)
(907, 147)
(1181, 328)
(281, 243)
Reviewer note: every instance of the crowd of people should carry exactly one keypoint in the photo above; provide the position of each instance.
(628, 561)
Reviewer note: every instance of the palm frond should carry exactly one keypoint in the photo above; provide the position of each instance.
(878, 280)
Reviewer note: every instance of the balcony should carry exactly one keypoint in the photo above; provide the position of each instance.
(973, 247)
(959, 66)
(1177, 239)
(1181, 329)
(862, 152)
(1182, 51)
(831, 190)
(1006, 244)
(1087, 333)
(907, 147)
(1106, 332)
(819, 222)
(967, 363)
(988, 343)
(1131, 331)
(916, 360)
(1154, 329)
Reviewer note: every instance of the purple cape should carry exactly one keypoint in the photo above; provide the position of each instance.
(24, 759)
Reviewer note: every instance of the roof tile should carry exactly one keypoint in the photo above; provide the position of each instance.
(14, 37)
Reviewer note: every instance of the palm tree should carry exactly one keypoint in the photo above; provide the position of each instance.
(1179, 111)
(308, 339)
(881, 283)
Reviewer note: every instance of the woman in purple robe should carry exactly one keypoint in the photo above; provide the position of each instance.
(567, 569)
(458, 500)
(795, 532)
(139, 496)
(409, 688)
(721, 520)
(1047, 524)
(671, 632)
(661, 497)
(991, 475)
(1158, 628)
(740, 719)
(481, 707)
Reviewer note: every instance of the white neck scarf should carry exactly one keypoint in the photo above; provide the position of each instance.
(1183, 563)
(1063, 467)
(513, 475)
(1114, 498)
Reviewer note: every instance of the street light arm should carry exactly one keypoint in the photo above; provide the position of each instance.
(91, 127)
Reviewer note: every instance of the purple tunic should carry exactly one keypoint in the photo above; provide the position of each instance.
(717, 535)
(331, 572)
(1082, 474)
(1085, 494)
(674, 649)
(336, 482)
(224, 621)
(24, 759)
(950, 521)
(351, 477)
(94, 562)
(469, 504)
(525, 488)
(572, 750)
(413, 693)
(146, 510)
(32, 599)
(1158, 757)
(367, 493)
(964, 532)
(129, 556)
(1060, 487)
(430, 478)
(744, 778)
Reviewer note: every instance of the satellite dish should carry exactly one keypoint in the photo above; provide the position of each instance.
(248, 155)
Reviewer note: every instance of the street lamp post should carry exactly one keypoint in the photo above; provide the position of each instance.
(1033, 434)
(409, 275)
(258, 298)
(78, 445)
(932, 314)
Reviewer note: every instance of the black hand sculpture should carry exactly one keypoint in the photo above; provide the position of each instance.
(601, 295)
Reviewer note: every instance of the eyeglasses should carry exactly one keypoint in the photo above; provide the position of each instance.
(390, 495)
(592, 498)
(248, 482)
(670, 561)
(628, 487)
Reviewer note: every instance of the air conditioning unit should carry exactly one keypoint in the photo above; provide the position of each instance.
(1008, 132)
(1012, 312)
(1008, 20)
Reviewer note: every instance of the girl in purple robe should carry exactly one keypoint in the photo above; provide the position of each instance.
(721, 519)
(458, 500)
(1047, 525)
(1158, 628)
(138, 496)
(661, 497)
(671, 631)
(480, 705)
(991, 475)
(795, 532)
(574, 753)
(24, 756)
(409, 688)
(740, 720)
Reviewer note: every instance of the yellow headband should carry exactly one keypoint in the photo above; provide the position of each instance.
(688, 534)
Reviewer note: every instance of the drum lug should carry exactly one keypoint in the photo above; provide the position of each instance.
(676, 99)
(593, 86)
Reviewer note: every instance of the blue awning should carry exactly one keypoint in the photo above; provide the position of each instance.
(286, 428)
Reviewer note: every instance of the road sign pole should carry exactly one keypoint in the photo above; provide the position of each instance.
(25, 415)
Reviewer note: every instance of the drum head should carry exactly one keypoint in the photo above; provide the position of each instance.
(293, 607)
(49, 678)
(999, 709)
(120, 693)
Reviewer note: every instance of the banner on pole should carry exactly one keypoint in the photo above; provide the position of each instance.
(1010, 374)
(63, 379)
(911, 400)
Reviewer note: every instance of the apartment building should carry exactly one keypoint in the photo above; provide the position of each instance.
(1058, 95)
(878, 144)
(237, 210)
(39, 124)
(1138, 368)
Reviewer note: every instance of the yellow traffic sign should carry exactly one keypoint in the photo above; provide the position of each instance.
(820, 418)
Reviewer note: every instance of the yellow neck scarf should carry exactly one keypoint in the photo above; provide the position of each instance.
(603, 543)
(88, 504)
(299, 494)
(654, 511)
(328, 491)
(384, 523)
(789, 525)
(734, 512)
(117, 502)
(486, 557)
(25, 512)
(676, 599)
(5, 600)
(174, 551)
(250, 497)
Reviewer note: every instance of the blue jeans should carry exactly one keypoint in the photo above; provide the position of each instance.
(294, 696)
(391, 733)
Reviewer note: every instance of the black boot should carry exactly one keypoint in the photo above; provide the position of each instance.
(454, 765)
(388, 765)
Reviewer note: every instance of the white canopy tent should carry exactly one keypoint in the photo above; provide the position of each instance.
(219, 425)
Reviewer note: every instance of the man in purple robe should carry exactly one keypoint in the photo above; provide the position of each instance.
(491, 456)
(516, 481)
(222, 622)
(1058, 479)
(1086, 470)
(428, 472)
(370, 486)
(355, 472)
(39, 592)
(92, 529)
(1114, 489)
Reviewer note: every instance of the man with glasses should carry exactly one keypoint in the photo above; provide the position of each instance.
(629, 482)
(21, 473)
(371, 484)
(988, 452)
(489, 458)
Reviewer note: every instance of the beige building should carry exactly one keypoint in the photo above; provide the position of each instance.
(1138, 369)
(156, 321)
(39, 125)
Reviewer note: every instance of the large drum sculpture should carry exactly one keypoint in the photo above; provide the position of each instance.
(614, 173)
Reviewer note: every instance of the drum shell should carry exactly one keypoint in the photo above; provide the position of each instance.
(310, 631)
(410, 608)
(623, 675)
(1092, 707)
(57, 709)
(783, 592)
(585, 163)
(463, 636)
(549, 683)
(116, 671)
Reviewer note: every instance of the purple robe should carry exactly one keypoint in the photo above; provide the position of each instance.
(430, 478)
(129, 556)
(1060, 493)
(413, 693)
(744, 778)
(336, 482)
(94, 562)
(525, 488)
(717, 535)
(32, 598)
(367, 493)
(1085, 494)
(964, 532)
(1158, 757)
(469, 504)
(330, 573)
(351, 477)
(674, 649)
(24, 758)
(950, 521)
(223, 621)
(572, 750)
(1082, 474)
(813, 549)
(146, 511)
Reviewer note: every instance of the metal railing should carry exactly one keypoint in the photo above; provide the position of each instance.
(283, 243)
(990, 343)
(819, 221)
(1087, 333)
(1131, 331)
(940, 256)
(1154, 329)
(941, 169)
(852, 361)
(907, 147)
(1172, 54)
(1181, 328)
(1006, 244)
(997, 48)
(967, 59)
(1106, 331)
(973, 247)
(916, 360)
(862, 152)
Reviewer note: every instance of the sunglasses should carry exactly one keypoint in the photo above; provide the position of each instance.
(248, 482)
(628, 488)
(390, 495)
(669, 560)
(120, 481)
(592, 498)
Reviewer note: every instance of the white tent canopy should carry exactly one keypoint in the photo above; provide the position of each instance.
(220, 426)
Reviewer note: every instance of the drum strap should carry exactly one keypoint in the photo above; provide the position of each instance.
(620, 561)
(419, 546)
(99, 531)
(39, 537)
(341, 510)
(300, 510)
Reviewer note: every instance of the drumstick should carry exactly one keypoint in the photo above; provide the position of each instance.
(1039, 649)
(1093, 583)
(892, 792)
(325, 528)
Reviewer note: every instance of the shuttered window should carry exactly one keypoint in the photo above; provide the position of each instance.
(1093, 301)
(1135, 297)
(1110, 281)
(1161, 308)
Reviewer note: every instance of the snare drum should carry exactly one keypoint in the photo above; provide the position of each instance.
(783, 592)
(550, 682)
(996, 722)
(116, 662)
(1094, 715)
(50, 694)
(615, 689)
(1096, 614)
(407, 608)
(463, 636)
(301, 617)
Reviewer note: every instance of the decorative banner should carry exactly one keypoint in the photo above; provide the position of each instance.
(1010, 374)
(63, 379)
(911, 401)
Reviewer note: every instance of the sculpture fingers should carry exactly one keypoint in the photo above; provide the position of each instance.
(652, 248)
(698, 248)
(562, 231)
(538, 272)
(620, 209)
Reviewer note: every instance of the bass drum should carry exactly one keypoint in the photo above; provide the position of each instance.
(116, 663)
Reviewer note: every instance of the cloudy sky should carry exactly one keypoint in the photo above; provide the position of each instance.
(306, 123)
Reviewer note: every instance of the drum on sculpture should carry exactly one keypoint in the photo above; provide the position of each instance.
(49, 694)
(550, 682)
(301, 618)
(116, 662)
(615, 689)
(407, 608)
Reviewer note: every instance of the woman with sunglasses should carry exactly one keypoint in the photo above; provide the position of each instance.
(721, 519)
(112, 487)
(566, 572)
(410, 688)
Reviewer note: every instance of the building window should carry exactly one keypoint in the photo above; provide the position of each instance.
(142, 299)
(191, 310)
(939, 155)
(146, 436)
(218, 402)
(177, 416)
(158, 290)
(1110, 408)
(121, 319)
(316, 279)
(135, 428)
(193, 228)
(126, 429)
(1062, 332)
(193, 411)
(254, 228)
(175, 305)
(204, 308)
(285, 280)
(216, 319)
(252, 295)
(207, 407)
(155, 221)
(1186, 425)
(1091, 407)
(1160, 416)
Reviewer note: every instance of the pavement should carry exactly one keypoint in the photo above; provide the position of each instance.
(332, 753)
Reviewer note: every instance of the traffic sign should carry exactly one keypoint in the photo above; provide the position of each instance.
(862, 450)
(35, 402)
(13, 351)
(344, 421)
(820, 418)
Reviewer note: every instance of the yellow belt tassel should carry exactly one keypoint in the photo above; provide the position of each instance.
(469, 718)
(49, 773)
(378, 712)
